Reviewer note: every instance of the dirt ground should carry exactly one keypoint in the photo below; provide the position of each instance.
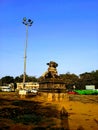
(48, 111)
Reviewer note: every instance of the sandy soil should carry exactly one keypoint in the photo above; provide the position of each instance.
(48, 111)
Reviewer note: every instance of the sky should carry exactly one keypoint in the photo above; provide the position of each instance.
(64, 31)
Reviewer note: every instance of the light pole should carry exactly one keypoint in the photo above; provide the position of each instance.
(27, 23)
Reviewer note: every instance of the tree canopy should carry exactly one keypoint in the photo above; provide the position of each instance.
(87, 78)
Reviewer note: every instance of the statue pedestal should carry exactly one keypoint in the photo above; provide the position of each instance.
(52, 84)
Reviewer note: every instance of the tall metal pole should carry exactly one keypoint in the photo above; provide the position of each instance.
(27, 23)
(25, 56)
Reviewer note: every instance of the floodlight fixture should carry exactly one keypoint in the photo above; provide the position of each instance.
(28, 22)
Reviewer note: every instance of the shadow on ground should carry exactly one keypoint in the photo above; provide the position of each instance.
(31, 114)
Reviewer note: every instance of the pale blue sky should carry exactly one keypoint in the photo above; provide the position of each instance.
(65, 31)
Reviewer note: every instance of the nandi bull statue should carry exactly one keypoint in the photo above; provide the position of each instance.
(51, 71)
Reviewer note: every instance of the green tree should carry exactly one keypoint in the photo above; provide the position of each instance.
(70, 80)
(27, 79)
(19, 79)
(7, 80)
(0, 82)
(86, 79)
(95, 78)
(31, 78)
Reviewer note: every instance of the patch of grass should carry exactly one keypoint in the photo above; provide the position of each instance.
(27, 119)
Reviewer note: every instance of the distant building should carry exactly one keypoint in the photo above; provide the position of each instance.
(5, 88)
(28, 85)
(90, 87)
